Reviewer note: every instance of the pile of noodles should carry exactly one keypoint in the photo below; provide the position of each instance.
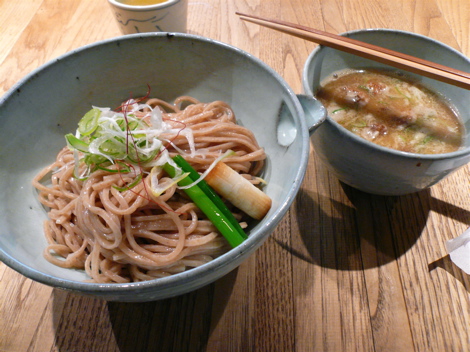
(131, 235)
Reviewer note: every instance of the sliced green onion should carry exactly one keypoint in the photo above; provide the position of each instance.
(158, 189)
(104, 136)
(125, 168)
(76, 143)
(401, 93)
(114, 147)
(427, 139)
(130, 185)
(95, 159)
(337, 110)
(88, 124)
(207, 206)
(138, 157)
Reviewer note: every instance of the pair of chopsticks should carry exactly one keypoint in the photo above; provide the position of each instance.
(368, 51)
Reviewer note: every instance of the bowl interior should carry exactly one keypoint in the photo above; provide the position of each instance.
(323, 61)
(37, 113)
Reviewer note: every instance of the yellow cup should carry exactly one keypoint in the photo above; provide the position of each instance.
(166, 16)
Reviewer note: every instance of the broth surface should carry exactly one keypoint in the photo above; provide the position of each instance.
(392, 111)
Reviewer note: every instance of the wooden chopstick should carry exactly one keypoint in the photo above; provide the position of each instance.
(368, 51)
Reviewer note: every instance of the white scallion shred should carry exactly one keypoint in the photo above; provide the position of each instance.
(209, 169)
(123, 136)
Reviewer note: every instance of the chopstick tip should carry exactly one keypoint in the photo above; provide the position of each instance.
(244, 16)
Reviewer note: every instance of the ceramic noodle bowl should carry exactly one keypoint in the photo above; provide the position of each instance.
(47, 104)
(366, 165)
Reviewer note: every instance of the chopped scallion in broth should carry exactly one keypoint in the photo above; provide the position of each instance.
(393, 111)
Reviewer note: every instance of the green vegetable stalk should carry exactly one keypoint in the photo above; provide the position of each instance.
(209, 203)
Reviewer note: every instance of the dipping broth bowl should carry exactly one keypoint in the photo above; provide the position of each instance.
(365, 165)
(39, 110)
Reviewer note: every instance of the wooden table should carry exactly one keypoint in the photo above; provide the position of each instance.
(344, 271)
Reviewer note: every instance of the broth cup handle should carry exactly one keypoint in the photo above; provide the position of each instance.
(315, 112)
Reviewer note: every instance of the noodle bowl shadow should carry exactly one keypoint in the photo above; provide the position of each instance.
(368, 166)
(39, 110)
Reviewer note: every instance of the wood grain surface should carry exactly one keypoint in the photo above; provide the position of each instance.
(344, 270)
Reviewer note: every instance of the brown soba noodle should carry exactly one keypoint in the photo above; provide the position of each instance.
(132, 235)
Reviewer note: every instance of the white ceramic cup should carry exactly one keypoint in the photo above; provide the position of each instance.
(168, 16)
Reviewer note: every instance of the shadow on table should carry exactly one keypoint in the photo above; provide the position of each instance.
(181, 323)
(361, 230)
(446, 264)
